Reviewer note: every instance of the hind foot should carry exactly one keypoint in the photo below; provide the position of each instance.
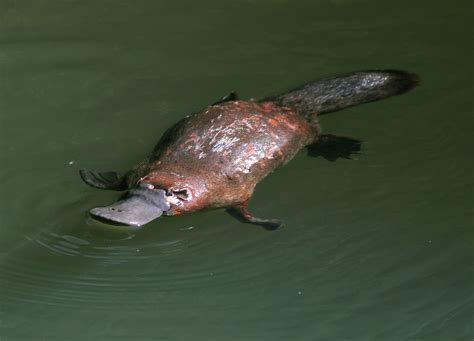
(332, 147)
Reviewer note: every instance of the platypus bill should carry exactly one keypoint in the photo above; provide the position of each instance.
(215, 158)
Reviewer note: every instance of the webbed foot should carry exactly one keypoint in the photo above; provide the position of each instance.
(242, 213)
(104, 180)
(332, 147)
(232, 96)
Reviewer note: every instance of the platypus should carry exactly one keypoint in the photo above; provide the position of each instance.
(214, 158)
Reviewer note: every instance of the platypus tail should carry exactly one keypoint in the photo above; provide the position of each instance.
(339, 92)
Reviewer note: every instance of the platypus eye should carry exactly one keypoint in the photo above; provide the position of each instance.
(182, 193)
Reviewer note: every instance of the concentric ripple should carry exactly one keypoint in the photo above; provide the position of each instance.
(67, 267)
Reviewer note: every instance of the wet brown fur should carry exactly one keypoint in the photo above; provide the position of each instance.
(222, 152)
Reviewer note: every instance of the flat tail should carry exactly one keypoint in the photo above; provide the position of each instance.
(343, 91)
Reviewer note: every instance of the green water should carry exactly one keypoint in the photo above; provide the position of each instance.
(378, 248)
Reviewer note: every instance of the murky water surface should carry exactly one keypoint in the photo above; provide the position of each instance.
(378, 248)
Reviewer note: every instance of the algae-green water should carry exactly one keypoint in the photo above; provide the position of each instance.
(376, 248)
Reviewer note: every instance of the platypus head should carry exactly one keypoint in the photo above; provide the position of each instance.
(153, 196)
(138, 206)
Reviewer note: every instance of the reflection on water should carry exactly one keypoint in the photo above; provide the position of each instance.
(378, 248)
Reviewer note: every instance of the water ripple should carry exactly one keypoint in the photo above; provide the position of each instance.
(75, 268)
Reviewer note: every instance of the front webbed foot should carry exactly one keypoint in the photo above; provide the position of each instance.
(104, 180)
(242, 213)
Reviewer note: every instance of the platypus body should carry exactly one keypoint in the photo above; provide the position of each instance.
(215, 158)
